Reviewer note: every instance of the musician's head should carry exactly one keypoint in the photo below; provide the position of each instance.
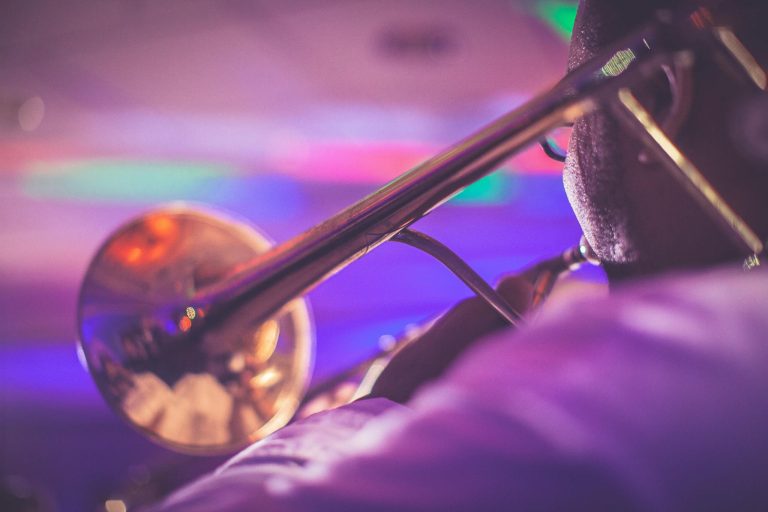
(637, 217)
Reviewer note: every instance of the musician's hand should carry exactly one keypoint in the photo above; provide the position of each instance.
(429, 355)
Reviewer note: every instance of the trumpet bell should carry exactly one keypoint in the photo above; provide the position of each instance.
(192, 389)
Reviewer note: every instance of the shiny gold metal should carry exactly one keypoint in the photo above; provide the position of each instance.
(743, 56)
(194, 390)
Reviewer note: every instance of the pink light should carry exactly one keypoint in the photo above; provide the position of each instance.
(353, 161)
(534, 161)
(374, 162)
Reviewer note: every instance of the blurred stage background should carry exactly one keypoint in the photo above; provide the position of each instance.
(282, 112)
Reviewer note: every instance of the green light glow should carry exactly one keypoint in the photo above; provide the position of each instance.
(122, 180)
(496, 188)
(560, 15)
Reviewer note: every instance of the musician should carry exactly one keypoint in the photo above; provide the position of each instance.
(651, 399)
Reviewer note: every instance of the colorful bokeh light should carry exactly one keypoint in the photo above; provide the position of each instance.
(559, 15)
(496, 188)
(122, 180)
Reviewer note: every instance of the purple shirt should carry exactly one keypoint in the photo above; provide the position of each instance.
(655, 398)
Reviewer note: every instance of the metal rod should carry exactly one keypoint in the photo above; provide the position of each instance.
(461, 269)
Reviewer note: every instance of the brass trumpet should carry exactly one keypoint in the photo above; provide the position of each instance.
(193, 326)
